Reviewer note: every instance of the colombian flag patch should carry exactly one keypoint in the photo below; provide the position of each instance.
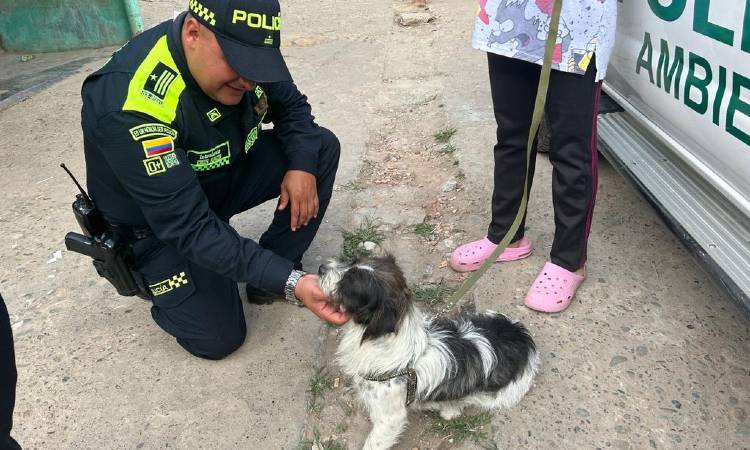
(158, 146)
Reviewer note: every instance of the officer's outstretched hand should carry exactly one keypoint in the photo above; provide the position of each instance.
(299, 189)
(309, 292)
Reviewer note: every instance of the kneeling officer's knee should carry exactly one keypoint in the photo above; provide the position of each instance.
(215, 348)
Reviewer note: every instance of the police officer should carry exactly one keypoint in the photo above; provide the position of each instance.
(175, 147)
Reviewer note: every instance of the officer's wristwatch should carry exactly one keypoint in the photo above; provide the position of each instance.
(291, 283)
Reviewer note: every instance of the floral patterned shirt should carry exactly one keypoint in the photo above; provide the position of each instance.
(518, 29)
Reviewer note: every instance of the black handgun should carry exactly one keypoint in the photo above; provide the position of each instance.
(110, 251)
(109, 255)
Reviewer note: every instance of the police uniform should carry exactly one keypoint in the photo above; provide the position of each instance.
(165, 160)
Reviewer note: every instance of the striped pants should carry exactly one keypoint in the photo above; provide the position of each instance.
(571, 110)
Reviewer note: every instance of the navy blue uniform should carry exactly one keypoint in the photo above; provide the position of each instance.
(8, 377)
(163, 156)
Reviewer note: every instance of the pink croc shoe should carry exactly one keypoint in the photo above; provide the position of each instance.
(469, 257)
(553, 289)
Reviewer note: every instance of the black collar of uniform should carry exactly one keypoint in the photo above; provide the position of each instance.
(213, 112)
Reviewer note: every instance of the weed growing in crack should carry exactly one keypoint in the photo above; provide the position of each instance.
(320, 383)
(424, 229)
(463, 427)
(328, 444)
(444, 135)
(448, 149)
(352, 247)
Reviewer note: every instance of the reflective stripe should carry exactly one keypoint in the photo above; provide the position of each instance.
(160, 102)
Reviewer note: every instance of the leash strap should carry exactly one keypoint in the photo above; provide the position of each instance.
(411, 382)
(541, 99)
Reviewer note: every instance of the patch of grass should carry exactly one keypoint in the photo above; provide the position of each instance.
(320, 383)
(351, 248)
(433, 294)
(448, 149)
(464, 427)
(445, 135)
(424, 229)
(341, 427)
(460, 176)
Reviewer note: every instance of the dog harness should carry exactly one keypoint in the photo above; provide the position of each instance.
(411, 382)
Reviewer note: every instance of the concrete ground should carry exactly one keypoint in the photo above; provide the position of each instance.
(651, 354)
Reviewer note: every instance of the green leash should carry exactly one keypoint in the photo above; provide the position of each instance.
(541, 100)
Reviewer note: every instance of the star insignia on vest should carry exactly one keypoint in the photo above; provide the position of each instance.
(169, 284)
(213, 115)
(158, 82)
(268, 40)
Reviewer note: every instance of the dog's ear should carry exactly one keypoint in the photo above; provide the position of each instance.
(356, 292)
(385, 317)
(369, 300)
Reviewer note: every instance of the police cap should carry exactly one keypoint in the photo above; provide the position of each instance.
(248, 32)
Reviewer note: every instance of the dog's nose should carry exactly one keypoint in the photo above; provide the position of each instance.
(322, 270)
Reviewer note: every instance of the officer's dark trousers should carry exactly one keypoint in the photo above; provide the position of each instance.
(207, 319)
(7, 380)
(572, 106)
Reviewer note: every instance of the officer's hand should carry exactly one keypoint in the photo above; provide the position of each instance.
(300, 189)
(309, 292)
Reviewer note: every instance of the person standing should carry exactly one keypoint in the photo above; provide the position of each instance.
(8, 378)
(514, 34)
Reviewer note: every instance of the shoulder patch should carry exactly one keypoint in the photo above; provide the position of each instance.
(156, 85)
(148, 130)
(158, 146)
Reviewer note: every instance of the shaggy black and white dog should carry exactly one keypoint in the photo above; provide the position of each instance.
(485, 360)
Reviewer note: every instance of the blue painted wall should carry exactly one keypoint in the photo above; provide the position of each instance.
(53, 25)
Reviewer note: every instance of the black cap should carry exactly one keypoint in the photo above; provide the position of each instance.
(249, 34)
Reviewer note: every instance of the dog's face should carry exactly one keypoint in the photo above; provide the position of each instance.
(372, 290)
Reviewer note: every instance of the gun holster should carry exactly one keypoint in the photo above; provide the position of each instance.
(110, 247)
(113, 259)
